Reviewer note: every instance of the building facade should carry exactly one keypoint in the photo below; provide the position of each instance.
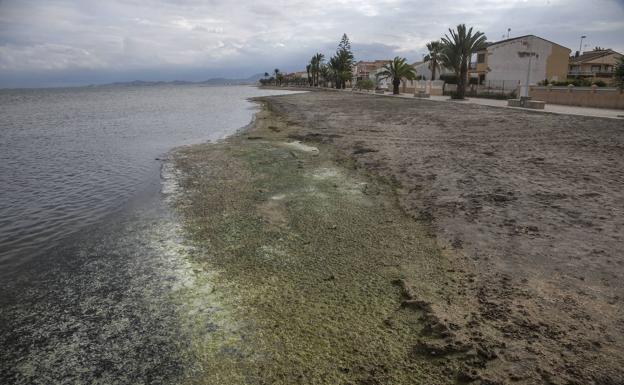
(595, 65)
(506, 62)
(423, 69)
(364, 69)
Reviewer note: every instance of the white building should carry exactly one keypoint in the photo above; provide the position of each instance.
(422, 69)
(507, 61)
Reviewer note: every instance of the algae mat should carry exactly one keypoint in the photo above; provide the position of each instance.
(307, 258)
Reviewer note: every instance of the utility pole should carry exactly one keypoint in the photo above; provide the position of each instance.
(581, 45)
(528, 77)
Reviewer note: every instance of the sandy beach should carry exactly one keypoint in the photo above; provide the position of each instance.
(369, 240)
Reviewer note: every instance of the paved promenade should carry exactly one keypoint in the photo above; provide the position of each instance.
(550, 108)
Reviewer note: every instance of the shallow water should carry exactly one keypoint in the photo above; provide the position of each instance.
(68, 157)
(95, 278)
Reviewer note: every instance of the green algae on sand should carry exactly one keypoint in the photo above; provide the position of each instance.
(305, 253)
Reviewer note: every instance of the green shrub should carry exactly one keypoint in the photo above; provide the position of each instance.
(574, 82)
(600, 83)
(365, 84)
(449, 78)
(485, 95)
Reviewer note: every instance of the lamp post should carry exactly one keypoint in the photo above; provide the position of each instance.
(581, 45)
(528, 77)
(508, 30)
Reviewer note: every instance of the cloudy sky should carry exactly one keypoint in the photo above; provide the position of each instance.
(64, 42)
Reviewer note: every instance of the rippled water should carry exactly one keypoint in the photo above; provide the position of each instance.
(68, 157)
(96, 280)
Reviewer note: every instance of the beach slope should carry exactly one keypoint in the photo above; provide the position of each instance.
(375, 240)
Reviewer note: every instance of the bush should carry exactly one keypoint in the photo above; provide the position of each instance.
(485, 95)
(449, 78)
(474, 81)
(365, 84)
(600, 83)
(574, 82)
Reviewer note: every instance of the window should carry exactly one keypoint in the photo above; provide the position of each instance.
(481, 58)
(595, 68)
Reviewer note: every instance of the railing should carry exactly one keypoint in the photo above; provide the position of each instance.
(590, 73)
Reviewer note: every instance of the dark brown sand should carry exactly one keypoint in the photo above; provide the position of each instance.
(529, 206)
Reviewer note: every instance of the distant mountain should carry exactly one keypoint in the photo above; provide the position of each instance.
(212, 82)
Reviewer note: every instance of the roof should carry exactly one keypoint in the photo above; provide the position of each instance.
(592, 55)
(524, 37)
(369, 66)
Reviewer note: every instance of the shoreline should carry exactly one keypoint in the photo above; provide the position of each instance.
(483, 315)
(294, 232)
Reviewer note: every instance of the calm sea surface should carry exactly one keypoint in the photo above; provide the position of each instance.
(96, 282)
(68, 157)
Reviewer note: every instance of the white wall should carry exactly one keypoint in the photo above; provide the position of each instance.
(506, 64)
(422, 69)
(381, 83)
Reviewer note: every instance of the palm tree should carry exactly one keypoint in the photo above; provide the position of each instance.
(434, 57)
(316, 62)
(276, 72)
(461, 45)
(397, 69)
(325, 74)
(309, 71)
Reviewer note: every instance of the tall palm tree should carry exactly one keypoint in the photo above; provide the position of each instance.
(397, 69)
(316, 63)
(324, 74)
(462, 44)
(309, 71)
(434, 57)
(276, 71)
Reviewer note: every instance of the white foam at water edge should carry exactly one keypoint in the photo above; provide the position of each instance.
(169, 176)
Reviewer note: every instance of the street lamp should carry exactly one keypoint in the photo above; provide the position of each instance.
(581, 45)
(525, 91)
(508, 30)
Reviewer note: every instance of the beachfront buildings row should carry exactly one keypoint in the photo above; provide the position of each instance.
(505, 64)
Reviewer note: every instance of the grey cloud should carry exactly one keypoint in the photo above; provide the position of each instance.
(57, 42)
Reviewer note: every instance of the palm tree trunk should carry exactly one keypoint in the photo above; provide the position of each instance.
(461, 82)
(433, 68)
(396, 82)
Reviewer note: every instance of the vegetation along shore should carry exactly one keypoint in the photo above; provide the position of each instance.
(356, 244)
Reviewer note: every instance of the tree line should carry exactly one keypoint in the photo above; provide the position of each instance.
(337, 71)
(453, 51)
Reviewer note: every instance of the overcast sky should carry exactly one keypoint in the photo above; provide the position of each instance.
(63, 42)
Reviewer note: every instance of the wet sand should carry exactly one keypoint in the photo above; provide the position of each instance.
(527, 206)
(308, 258)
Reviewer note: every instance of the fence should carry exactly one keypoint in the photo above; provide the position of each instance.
(489, 89)
(593, 96)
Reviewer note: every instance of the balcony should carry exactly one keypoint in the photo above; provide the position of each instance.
(595, 73)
